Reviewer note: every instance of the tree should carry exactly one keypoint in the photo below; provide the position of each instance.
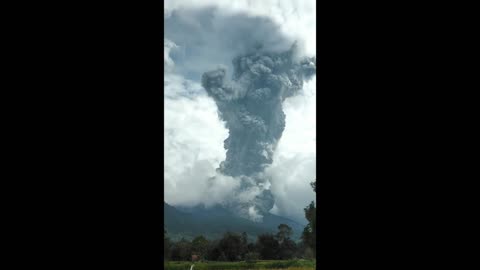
(200, 246)
(284, 232)
(231, 246)
(251, 247)
(244, 238)
(267, 246)
(287, 247)
(314, 185)
(181, 251)
(309, 235)
(223, 257)
(244, 247)
(213, 251)
(166, 245)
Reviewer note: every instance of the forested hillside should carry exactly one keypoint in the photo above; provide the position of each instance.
(214, 222)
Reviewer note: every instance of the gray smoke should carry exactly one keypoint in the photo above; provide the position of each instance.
(251, 106)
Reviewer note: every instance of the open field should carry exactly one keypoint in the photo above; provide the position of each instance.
(271, 264)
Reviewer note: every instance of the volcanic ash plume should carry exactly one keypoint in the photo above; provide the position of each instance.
(251, 106)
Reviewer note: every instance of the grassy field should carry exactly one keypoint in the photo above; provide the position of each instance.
(290, 264)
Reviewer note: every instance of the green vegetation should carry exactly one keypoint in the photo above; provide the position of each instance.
(271, 264)
(309, 235)
(235, 247)
(234, 251)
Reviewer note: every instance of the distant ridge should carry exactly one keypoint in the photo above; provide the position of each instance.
(215, 221)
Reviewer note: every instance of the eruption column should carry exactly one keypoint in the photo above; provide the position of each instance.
(251, 106)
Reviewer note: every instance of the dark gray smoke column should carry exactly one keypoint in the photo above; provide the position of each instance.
(251, 106)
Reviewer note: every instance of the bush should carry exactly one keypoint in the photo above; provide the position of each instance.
(223, 257)
(309, 254)
(251, 257)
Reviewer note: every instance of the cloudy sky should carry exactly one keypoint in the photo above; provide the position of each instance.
(204, 35)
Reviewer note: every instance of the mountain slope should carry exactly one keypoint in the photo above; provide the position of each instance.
(214, 222)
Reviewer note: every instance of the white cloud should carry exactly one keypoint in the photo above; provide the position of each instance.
(254, 214)
(194, 134)
(193, 150)
(168, 46)
(294, 164)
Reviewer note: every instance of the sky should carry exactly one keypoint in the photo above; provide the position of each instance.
(204, 35)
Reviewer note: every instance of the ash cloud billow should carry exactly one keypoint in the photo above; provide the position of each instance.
(251, 106)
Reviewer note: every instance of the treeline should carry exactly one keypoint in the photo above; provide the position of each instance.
(235, 247)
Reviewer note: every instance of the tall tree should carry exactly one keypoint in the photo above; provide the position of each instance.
(200, 246)
(231, 246)
(287, 247)
(244, 238)
(244, 248)
(213, 251)
(267, 246)
(182, 250)
(309, 235)
(284, 232)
